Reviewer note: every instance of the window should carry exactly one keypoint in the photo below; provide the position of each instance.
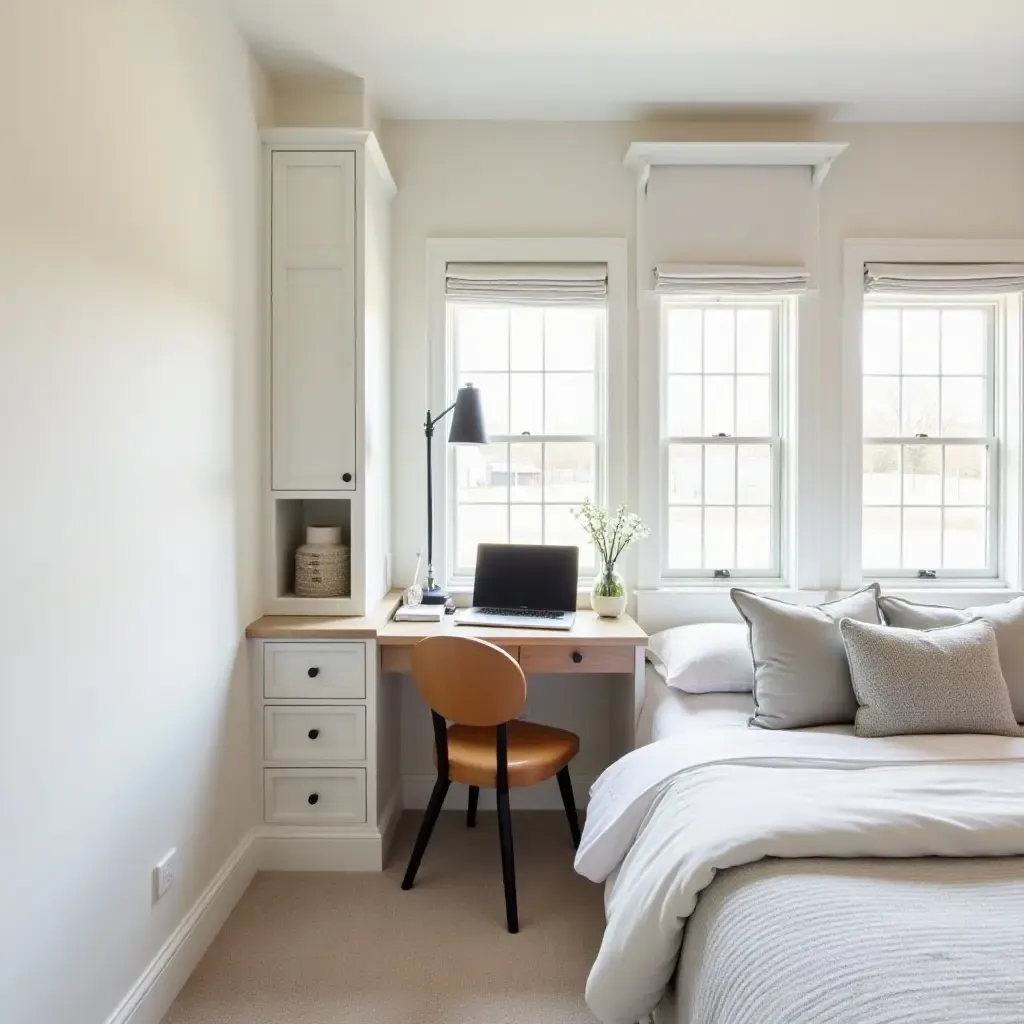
(721, 466)
(930, 465)
(539, 368)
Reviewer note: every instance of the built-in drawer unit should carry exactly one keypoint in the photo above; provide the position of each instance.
(314, 796)
(310, 734)
(328, 671)
(557, 658)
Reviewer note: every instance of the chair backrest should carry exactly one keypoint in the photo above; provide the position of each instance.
(468, 681)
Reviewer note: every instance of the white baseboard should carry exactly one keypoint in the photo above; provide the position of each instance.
(543, 797)
(151, 996)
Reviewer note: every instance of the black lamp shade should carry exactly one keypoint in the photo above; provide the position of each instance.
(468, 418)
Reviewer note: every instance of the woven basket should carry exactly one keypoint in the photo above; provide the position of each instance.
(322, 564)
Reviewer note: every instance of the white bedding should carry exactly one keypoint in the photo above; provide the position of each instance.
(669, 712)
(668, 816)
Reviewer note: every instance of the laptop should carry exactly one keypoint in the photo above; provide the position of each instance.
(528, 586)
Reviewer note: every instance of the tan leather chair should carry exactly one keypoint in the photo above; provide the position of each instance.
(480, 689)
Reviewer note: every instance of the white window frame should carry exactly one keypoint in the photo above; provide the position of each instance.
(612, 441)
(1005, 462)
(783, 310)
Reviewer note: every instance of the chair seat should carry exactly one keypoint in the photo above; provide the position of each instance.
(535, 753)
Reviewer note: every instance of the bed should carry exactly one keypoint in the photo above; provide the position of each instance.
(806, 876)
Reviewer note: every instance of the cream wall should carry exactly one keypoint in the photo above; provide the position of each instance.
(129, 467)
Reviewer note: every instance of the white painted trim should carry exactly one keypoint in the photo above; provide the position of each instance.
(332, 138)
(151, 996)
(416, 791)
(309, 849)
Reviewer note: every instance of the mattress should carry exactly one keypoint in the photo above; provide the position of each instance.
(855, 942)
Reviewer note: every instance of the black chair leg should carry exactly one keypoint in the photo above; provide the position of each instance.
(429, 820)
(569, 803)
(474, 796)
(508, 865)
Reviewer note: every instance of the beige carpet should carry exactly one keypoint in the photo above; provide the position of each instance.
(353, 948)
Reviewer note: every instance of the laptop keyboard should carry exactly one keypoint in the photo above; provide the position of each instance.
(526, 613)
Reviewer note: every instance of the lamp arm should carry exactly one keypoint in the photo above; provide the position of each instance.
(433, 422)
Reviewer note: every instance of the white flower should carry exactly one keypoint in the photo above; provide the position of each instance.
(611, 534)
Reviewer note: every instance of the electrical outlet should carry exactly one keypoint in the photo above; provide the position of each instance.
(165, 874)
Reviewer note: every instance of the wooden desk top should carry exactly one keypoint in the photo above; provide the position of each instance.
(326, 627)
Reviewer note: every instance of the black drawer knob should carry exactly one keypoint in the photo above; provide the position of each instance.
(313, 798)
(313, 733)
(347, 477)
(313, 672)
(577, 657)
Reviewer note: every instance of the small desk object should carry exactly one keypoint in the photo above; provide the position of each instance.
(328, 719)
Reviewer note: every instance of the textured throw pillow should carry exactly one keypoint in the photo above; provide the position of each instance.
(707, 657)
(911, 681)
(1007, 618)
(801, 677)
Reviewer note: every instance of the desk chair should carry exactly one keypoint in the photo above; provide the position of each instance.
(480, 689)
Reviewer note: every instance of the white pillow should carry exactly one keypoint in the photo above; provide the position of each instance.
(708, 657)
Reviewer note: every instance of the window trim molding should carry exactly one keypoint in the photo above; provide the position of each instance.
(613, 252)
(856, 253)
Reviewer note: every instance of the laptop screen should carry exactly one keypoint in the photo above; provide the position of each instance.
(538, 576)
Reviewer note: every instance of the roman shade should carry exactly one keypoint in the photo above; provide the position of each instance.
(690, 279)
(529, 283)
(943, 278)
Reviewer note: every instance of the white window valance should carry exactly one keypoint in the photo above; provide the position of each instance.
(943, 278)
(546, 283)
(693, 279)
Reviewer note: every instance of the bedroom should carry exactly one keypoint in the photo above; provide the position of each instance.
(136, 539)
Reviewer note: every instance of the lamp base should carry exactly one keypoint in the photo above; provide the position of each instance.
(436, 595)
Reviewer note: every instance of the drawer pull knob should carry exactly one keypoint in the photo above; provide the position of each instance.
(313, 672)
(347, 477)
(313, 733)
(313, 798)
(577, 657)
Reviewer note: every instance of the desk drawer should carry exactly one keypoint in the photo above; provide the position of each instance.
(556, 658)
(307, 734)
(326, 671)
(314, 796)
(399, 658)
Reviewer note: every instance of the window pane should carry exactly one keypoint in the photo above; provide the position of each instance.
(754, 538)
(685, 474)
(754, 475)
(527, 411)
(570, 339)
(684, 406)
(881, 538)
(684, 341)
(963, 407)
(569, 403)
(720, 474)
(964, 338)
(922, 474)
(684, 538)
(966, 478)
(920, 341)
(753, 340)
(922, 538)
(479, 524)
(753, 406)
(481, 472)
(719, 341)
(881, 406)
(481, 338)
(920, 408)
(882, 474)
(881, 341)
(719, 537)
(493, 389)
(561, 528)
(569, 471)
(718, 405)
(526, 348)
(964, 539)
(525, 526)
(525, 473)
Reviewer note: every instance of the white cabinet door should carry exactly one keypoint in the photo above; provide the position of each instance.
(313, 296)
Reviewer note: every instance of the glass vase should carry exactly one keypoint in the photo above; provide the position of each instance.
(608, 594)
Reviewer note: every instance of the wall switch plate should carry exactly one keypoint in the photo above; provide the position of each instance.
(165, 874)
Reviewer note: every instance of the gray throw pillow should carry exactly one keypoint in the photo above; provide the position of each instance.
(801, 676)
(1007, 618)
(911, 681)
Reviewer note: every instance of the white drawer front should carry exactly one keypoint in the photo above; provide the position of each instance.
(314, 796)
(324, 671)
(307, 734)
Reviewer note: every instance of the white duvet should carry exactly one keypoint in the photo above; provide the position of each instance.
(666, 817)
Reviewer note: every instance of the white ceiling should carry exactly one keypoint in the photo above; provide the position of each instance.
(605, 59)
